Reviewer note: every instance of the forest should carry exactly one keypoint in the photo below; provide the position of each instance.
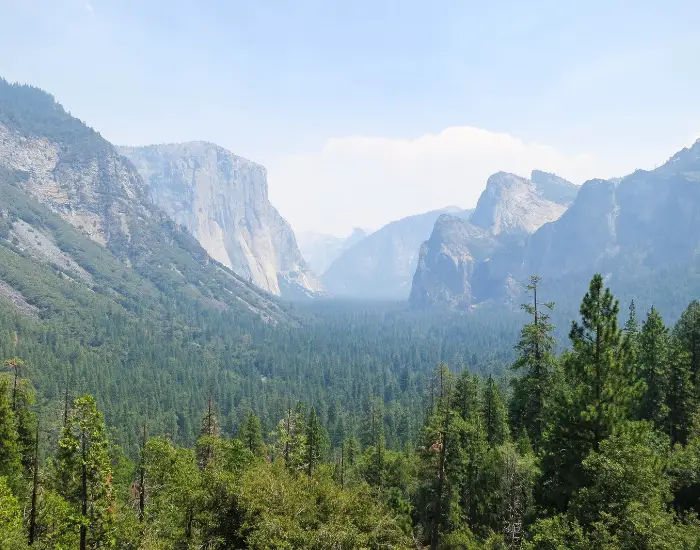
(589, 443)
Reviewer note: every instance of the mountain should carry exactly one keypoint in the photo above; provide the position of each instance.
(320, 250)
(629, 227)
(640, 231)
(75, 210)
(222, 200)
(467, 261)
(381, 265)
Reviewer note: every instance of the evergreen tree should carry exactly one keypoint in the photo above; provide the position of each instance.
(84, 473)
(210, 430)
(316, 442)
(687, 332)
(653, 368)
(374, 443)
(600, 364)
(250, 433)
(10, 452)
(680, 401)
(536, 359)
(495, 414)
(593, 394)
(290, 439)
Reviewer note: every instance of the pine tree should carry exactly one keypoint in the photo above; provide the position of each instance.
(210, 429)
(600, 365)
(10, 452)
(680, 394)
(316, 442)
(250, 433)
(84, 472)
(495, 414)
(536, 359)
(687, 332)
(593, 394)
(653, 368)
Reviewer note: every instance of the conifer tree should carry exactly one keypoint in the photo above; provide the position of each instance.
(495, 414)
(250, 433)
(600, 364)
(593, 395)
(536, 358)
(210, 429)
(84, 472)
(315, 442)
(687, 332)
(653, 368)
(10, 455)
(680, 395)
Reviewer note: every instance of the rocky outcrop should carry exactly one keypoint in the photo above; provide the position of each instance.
(511, 204)
(640, 231)
(222, 200)
(381, 265)
(467, 261)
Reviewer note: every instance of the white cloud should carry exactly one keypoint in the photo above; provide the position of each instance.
(369, 181)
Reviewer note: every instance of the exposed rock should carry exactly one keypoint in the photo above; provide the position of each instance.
(511, 204)
(633, 230)
(222, 200)
(468, 261)
(448, 261)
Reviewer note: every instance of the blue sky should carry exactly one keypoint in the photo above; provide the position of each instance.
(367, 111)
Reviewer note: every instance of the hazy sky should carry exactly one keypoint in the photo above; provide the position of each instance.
(371, 111)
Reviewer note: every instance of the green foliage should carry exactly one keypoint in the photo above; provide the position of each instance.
(12, 535)
(250, 433)
(10, 451)
(83, 473)
(536, 358)
(653, 367)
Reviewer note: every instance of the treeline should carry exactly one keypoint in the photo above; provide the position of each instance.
(596, 447)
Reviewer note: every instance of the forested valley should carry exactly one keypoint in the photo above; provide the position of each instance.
(369, 428)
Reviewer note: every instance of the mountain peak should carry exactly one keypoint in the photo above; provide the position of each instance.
(512, 204)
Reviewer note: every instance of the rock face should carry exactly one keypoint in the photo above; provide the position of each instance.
(222, 200)
(381, 265)
(53, 158)
(636, 225)
(467, 261)
(640, 232)
(514, 205)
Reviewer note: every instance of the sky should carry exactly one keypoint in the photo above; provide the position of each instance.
(368, 111)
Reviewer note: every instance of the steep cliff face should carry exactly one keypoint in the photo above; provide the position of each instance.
(447, 263)
(640, 231)
(514, 205)
(381, 265)
(632, 226)
(48, 156)
(222, 200)
(467, 261)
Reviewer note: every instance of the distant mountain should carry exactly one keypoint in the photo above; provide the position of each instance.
(467, 261)
(73, 209)
(320, 250)
(222, 200)
(381, 265)
(640, 231)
